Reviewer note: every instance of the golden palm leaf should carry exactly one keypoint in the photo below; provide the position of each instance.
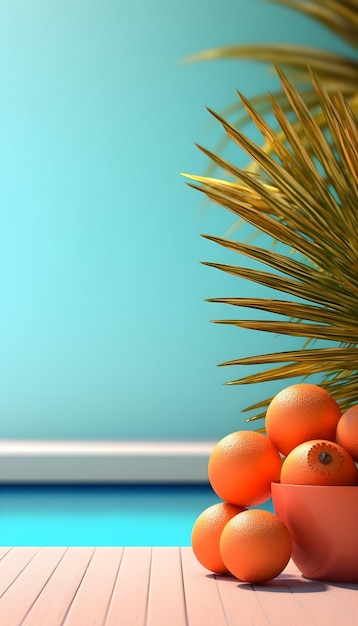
(306, 198)
(338, 72)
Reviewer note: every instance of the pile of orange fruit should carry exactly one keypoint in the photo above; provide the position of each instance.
(307, 441)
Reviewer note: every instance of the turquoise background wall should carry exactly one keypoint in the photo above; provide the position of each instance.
(104, 332)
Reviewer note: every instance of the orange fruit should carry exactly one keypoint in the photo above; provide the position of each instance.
(206, 533)
(300, 413)
(347, 431)
(242, 466)
(319, 462)
(255, 546)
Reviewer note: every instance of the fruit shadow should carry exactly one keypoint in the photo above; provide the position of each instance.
(283, 584)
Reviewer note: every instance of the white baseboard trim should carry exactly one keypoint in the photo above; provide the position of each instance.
(37, 461)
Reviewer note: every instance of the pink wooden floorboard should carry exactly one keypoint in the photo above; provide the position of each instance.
(55, 599)
(12, 564)
(129, 599)
(156, 586)
(166, 602)
(19, 597)
(91, 602)
(243, 608)
(281, 600)
(203, 601)
(335, 603)
(4, 551)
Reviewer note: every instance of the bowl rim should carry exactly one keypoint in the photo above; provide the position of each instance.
(280, 485)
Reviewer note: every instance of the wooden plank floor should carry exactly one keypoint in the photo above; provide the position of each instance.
(160, 586)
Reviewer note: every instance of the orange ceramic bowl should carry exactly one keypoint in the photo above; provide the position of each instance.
(323, 522)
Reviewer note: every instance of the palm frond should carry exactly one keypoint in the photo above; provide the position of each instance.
(306, 198)
(337, 71)
(338, 16)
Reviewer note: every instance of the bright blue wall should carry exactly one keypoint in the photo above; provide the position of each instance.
(104, 329)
